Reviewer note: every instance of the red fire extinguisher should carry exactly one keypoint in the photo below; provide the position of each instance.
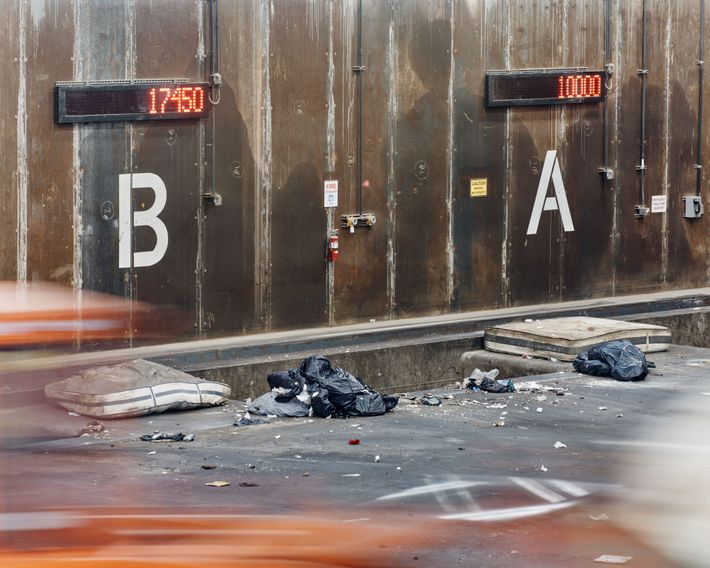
(333, 247)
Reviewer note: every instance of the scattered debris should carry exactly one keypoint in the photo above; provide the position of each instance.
(152, 453)
(71, 413)
(611, 559)
(377, 459)
(354, 442)
(531, 386)
(247, 484)
(251, 466)
(497, 405)
(351, 475)
(599, 517)
(247, 420)
(602, 408)
(499, 423)
(168, 437)
(543, 468)
(217, 483)
(208, 466)
(559, 445)
(619, 415)
(91, 428)
(430, 401)
(486, 381)
(538, 409)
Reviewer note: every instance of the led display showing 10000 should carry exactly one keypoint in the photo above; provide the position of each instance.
(544, 87)
(131, 100)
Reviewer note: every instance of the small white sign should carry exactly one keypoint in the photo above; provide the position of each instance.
(659, 203)
(330, 193)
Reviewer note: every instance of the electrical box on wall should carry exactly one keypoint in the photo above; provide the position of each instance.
(692, 207)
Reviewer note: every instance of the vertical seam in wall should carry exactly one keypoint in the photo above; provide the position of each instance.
(130, 73)
(266, 170)
(200, 211)
(330, 160)
(451, 173)
(562, 134)
(392, 62)
(22, 165)
(508, 165)
(615, 147)
(77, 174)
(666, 143)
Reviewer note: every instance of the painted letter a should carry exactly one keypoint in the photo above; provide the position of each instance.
(148, 218)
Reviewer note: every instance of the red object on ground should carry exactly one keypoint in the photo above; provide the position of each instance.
(354, 442)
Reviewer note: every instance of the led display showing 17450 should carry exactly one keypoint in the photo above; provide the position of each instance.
(544, 87)
(141, 100)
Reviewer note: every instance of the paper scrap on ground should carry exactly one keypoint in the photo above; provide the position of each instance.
(217, 483)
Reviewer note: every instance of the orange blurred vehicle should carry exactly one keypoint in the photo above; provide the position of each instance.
(120, 539)
(39, 315)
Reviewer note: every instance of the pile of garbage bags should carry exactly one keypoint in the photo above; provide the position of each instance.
(621, 360)
(316, 388)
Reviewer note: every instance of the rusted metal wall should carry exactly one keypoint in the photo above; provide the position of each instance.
(403, 136)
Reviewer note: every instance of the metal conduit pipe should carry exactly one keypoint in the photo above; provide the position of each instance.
(212, 196)
(641, 209)
(701, 77)
(606, 170)
(359, 70)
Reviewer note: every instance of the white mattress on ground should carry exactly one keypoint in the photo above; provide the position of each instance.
(565, 338)
(133, 389)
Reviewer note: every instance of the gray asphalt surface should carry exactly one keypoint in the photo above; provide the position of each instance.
(474, 456)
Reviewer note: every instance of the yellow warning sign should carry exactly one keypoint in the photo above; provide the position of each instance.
(479, 187)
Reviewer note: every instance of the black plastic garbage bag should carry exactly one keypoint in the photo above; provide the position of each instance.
(498, 386)
(266, 405)
(290, 381)
(621, 360)
(335, 392)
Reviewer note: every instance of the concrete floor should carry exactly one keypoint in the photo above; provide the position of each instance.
(306, 466)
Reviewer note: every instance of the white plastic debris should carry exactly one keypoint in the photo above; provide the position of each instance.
(543, 468)
(377, 459)
(539, 409)
(351, 475)
(612, 559)
(599, 517)
(559, 445)
(602, 408)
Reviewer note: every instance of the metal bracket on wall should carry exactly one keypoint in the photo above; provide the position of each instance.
(607, 173)
(350, 222)
(641, 211)
(213, 198)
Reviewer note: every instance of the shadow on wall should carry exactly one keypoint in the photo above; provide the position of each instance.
(478, 152)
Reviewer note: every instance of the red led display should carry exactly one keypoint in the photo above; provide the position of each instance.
(140, 100)
(579, 86)
(544, 87)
